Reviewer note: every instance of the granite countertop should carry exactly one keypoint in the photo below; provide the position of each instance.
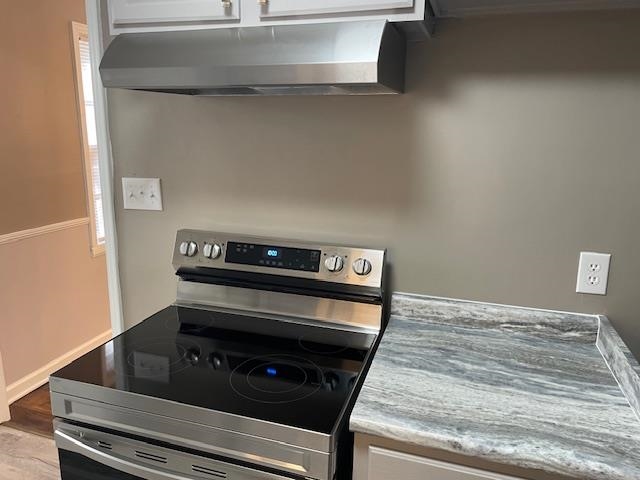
(515, 386)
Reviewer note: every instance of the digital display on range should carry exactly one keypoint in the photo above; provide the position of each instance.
(271, 253)
(273, 256)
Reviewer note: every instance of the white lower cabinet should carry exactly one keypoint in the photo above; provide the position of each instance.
(386, 464)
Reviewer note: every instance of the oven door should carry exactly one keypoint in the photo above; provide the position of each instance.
(87, 454)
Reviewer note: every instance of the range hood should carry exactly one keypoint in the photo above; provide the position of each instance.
(347, 58)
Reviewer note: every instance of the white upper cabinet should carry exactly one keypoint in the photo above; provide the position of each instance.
(127, 13)
(161, 15)
(285, 8)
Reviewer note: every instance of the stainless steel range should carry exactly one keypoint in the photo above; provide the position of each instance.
(251, 374)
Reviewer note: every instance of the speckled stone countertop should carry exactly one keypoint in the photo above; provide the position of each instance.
(516, 386)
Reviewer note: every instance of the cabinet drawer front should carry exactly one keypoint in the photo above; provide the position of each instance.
(385, 464)
(285, 8)
(127, 12)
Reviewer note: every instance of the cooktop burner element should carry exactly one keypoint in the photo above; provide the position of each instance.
(276, 378)
(255, 367)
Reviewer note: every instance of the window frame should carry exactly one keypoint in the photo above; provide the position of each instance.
(80, 32)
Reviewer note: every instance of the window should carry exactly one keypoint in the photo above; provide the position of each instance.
(88, 134)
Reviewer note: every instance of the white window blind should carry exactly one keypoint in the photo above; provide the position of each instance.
(93, 173)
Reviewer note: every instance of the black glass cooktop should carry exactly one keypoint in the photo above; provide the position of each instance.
(286, 373)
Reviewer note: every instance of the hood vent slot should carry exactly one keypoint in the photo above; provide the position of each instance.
(346, 58)
(208, 471)
(150, 456)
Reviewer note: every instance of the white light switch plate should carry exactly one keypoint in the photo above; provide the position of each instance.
(141, 193)
(593, 273)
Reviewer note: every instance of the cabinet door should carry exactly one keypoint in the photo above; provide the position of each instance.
(385, 464)
(128, 12)
(285, 8)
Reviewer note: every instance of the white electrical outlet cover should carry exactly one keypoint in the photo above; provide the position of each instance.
(141, 193)
(593, 273)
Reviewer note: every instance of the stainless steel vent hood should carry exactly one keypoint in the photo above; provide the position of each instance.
(347, 58)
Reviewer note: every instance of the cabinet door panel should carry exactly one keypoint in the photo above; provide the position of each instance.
(284, 8)
(385, 464)
(126, 12)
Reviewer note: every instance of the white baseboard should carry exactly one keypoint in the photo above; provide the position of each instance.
(34, 380)
(4, 403)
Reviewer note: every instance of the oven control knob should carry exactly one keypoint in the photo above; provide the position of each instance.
(362, 266)
(215, 361)
(188, 249)
(334, 263)
(193, 356)
(211, 250)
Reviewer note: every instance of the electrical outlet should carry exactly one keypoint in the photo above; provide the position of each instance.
(141, 193)
(593, 273)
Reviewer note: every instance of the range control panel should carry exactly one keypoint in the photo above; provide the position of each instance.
(273, 256)
(338, 264)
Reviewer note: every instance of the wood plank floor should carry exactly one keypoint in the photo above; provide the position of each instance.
(27, 451)
(32, 414)
(25, 456)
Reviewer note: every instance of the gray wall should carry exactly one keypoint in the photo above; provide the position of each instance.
(516, 147)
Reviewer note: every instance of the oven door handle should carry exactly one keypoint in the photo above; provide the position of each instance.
(67, 442)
